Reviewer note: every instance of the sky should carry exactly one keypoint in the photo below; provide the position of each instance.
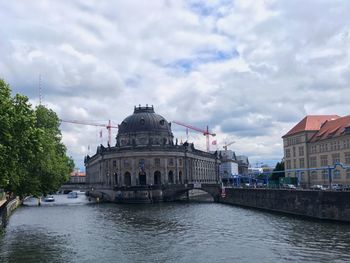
(249, 69)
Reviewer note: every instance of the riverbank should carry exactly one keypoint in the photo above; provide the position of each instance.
(7, 209)
(326, 205)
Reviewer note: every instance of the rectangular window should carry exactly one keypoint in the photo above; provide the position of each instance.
(126, 163)
(302, 163)
(336, 174)
(333, 146)
(314, 175)
(114, 163)
(157, 162)
(180, 162)
(324, 174)
(348, 173)
(347, 158)
(313, 161)
(324, 160)
(301, 151)
(288, 165)
(336, 158)
(287, 153)
(293, 151)
(313, 149)
(294, 163)
(171, 161)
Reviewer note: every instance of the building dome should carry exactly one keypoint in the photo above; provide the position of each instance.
(144, 127)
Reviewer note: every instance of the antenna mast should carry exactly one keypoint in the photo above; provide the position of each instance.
(40, 98)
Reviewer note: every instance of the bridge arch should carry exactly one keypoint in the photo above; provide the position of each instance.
(214, 190)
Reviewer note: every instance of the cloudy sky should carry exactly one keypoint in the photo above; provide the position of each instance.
(250, 69)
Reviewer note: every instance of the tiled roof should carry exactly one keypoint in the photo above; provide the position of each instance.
(77, 174)
(332, 129)
(310, 123)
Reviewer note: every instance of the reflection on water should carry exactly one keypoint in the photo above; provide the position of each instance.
(169, 232)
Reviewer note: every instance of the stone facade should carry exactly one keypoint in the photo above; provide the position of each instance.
(145, 157)
(318, 142)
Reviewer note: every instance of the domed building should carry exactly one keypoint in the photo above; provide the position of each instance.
(145, 165)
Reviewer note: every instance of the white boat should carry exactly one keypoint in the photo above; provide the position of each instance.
(72, 195)
(49, 198)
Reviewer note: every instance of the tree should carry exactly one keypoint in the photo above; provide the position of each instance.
(53, 165)
(32, 158)
(279, 169)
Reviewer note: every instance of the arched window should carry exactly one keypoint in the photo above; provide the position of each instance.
(142, 178)
(157, 178)
(127, 179)
(171, 177)
(115, 178)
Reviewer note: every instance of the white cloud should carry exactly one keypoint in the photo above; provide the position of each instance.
(248, 69)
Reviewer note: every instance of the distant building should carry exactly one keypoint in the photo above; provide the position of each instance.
(229, 164)
(318, 141)
(145, 162)
(267, 169)
(77, 177)
(255, 170)
(243, 164)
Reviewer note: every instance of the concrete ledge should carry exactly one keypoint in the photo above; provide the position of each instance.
(8, 209)
(328, 205)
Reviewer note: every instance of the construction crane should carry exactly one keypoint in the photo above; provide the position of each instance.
(227, 145)
(206, 132)
(108, 126)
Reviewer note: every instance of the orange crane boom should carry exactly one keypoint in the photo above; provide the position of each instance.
(108, 126)
(206, 132)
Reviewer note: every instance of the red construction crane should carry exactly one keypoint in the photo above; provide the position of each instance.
(108, 126)
(206, 132)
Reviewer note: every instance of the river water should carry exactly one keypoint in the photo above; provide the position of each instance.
(79, 231)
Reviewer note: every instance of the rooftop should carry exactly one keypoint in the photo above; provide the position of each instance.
(332, 128)
(311, 123)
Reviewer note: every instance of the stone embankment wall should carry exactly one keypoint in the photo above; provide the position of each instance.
(7, 209)
(329, 205)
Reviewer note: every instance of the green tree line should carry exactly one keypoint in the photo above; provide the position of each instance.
(33, 159)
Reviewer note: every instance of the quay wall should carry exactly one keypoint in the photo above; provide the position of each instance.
(7, 209)
(329, 205)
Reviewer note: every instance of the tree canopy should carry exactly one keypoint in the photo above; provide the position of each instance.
(279, 169)
(33, 159)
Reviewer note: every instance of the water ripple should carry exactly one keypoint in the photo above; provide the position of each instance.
(172, 232)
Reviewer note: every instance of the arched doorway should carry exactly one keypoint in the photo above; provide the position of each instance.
(180, 177)
(142, 178)
(127, 179)
(157, 178)
(115, 179)
(171, 177)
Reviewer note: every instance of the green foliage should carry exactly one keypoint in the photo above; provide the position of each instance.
(280, 171)
(32, 158)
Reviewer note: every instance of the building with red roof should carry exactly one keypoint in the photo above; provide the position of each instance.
(77, 177)
(318, 141)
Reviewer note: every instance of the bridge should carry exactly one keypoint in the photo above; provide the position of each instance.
(153, 193)
(68, 187)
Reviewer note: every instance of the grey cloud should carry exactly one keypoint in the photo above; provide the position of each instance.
(97, 61)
